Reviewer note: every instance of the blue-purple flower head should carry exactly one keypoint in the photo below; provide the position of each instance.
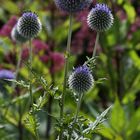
(16, 36)
(72, 6)
(29, 25)
(100, 18)
(81, 80)
(6, 74)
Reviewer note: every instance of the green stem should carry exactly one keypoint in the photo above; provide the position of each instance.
(65, 75)
(30, 71)
(17, 68)
(30, 82)
(77, 112)
(78, 107)
(96, 43)
(14, 88)
(18, 63)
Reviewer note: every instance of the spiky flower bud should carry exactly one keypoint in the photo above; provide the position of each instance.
(72, 6)
(81, 80)
(16, 36)
(29, 25)
(100, 18)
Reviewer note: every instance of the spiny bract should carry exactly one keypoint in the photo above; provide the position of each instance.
(81, 80)
(72, 6)
(100, 18)
(16, 36)
(29, 25)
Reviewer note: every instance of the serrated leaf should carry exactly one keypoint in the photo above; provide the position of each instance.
(117, 117)
(31, 123)
(99, 119)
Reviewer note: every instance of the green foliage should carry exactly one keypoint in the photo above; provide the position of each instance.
(117, 60)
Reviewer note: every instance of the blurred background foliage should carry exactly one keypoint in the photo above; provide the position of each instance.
(118, 61)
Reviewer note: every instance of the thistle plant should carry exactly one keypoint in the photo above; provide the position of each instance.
(28, 26)
(19, 39)
(71, 7)
(80, 81)
(99, 19)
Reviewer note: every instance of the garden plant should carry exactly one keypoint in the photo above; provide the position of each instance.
(70, 70)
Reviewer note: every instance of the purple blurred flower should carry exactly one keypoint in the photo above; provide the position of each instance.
(72, 6)
(6, 74)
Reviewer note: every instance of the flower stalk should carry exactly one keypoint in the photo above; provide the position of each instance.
(96, 44)
(80, 96)
(30, 71)
(65, 74)
(30, 82)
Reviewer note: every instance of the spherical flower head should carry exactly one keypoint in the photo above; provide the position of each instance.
(16, 36)
(100, 18)
(72, 6)
(81, 80)
(29, 25)
(6, 74)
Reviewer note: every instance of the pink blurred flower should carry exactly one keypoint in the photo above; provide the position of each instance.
(84, 38)
(121, 14)
(58, 61)
(44, 58)
(6, 28)
(40, 46)
(25, 53)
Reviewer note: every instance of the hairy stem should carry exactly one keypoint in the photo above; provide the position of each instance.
(96, 43)
(65, 75)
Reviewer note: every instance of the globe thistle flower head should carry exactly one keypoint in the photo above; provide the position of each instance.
(100, 18)
(29, 25)
(81, 80)
(16, 36)
(72, 6)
